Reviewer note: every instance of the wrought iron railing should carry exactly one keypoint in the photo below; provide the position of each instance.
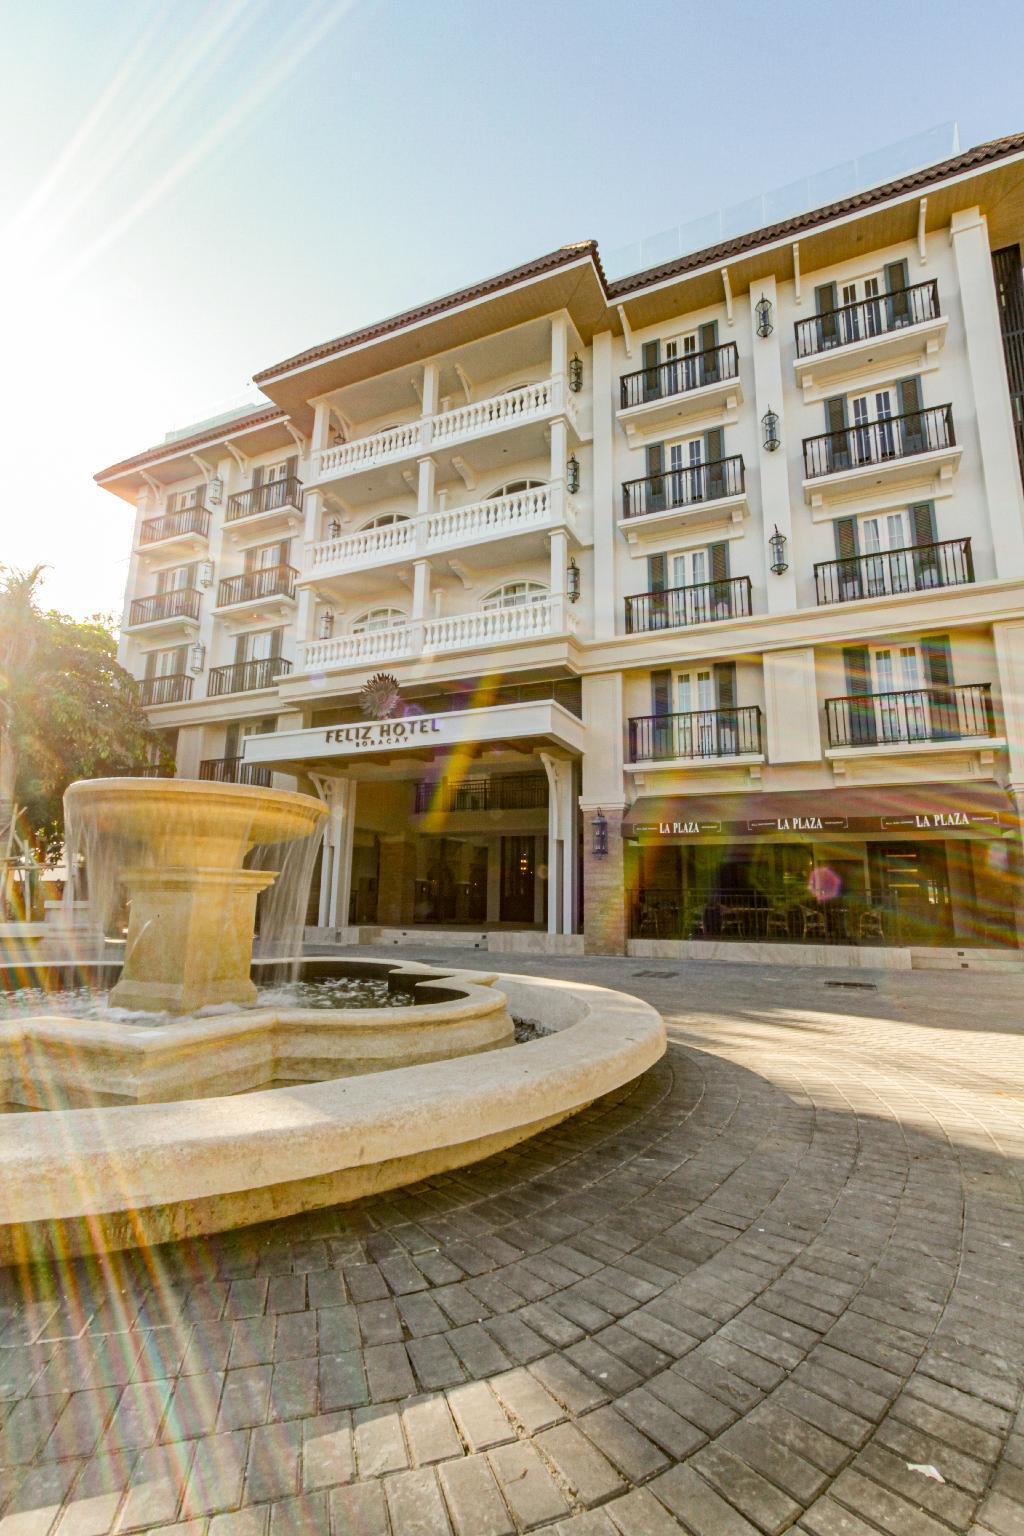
(915, 569)
(267, 581)
(268, 497)
(701, 733)
(503, 792)
(244, 676)
(909, 715)
(868, 318)
(704, 603)
(878, 442)
(678, 375)
(233, 770)
(173, 688)
(174, 525)
(178, 603)
(681, 487)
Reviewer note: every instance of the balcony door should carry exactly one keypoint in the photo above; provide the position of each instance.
(697, 731)
(886, 564)
(518, 879)
(901, 702)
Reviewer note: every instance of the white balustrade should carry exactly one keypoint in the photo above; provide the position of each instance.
(366, 547)
(365, 452)
(484, 519)
(371, 645)
(514, 405)
(494, 626)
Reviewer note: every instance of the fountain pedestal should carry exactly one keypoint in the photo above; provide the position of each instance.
(189, 941)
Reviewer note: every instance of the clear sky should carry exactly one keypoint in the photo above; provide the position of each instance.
(191, 191)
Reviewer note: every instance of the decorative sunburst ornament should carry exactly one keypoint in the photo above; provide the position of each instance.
(380, 697)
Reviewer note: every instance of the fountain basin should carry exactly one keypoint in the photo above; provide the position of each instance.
(87, 1179)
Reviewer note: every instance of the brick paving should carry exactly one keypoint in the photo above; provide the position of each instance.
(756, 1291)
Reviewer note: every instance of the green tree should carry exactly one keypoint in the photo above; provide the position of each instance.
(68, 710)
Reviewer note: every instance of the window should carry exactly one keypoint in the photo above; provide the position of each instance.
(690, 569)
(512, 486)
(375, 619)
(258, 645)
(515, 594)
(180, 501)
(178, 579)
(384, 520)
(898, 671)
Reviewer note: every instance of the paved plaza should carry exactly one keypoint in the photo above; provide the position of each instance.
(775, 1284)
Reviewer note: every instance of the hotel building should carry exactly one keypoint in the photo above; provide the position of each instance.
(632, 614)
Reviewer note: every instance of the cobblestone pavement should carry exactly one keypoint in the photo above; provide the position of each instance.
(773, 1285)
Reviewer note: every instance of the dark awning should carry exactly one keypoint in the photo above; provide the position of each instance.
(904, 810)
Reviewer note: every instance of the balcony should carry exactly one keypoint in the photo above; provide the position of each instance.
(705, 735)
(701, 384)
(273, 507)
(920, 568)
(548, 618)
(266, 588)
(247, 676)
(679, 607)
(447, 429)
(912, 449)
(187, 529)
(174, 688)
(680, 498)
(510, 523)
(173, 610)
(502, 792)
(904, 327)
(911, 716)
(234, 770)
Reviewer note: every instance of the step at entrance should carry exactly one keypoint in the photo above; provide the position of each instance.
(990, 960)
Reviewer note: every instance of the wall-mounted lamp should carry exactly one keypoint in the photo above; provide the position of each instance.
(197, 656)
(205, 573)
(599, 830)
(770, 430)
(215, 491)
(572, 582)
(572, 475)
(777, 545)
(763, 316)
(575, 373)
(326, 629)
(334, 529)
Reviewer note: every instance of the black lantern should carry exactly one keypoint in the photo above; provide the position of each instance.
(572, 475)
(599, 827)
(572, 582)
(326, 625)
(777, 545)
(334, 528)
(575, 373)
(763, 312)
(770, 429)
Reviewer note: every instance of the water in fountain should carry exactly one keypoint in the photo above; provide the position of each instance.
(282, 907)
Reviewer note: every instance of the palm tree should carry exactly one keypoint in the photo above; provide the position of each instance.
(21, 630)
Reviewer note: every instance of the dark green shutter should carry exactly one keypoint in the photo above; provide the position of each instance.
(239, 650)
(897, 281)
(725, 684)
(909, 392)
(844, 531)
(161, 581)
(654, 454)
(848, 573)
(838, 456)
(721, 592)
(708, 344)
(231, 740)
(257, 476)
(661, 692)
(718, 559)
(912, 436)
(927, 559)
(861, 723)
(727, 719)
(181, 658)
(938, 672)
(275, 642)
(714, 453)
(150, 664)
(656, 573)
(662, 727)
(826, 302)
(922, 522)
(292, 466)
(656, 583)
(651, 362)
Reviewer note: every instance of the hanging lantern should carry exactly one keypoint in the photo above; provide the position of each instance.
(777, 545)
(770, 430)
(334, 529)
(763, 314)
(572, 582)
(572, 476)
(575, 373)
(197, 657)
(599, 829)
(326, 625)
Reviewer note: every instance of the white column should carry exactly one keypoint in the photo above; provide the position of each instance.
(428, 404)
(420, 588)
(773, 467)
(336, 872)
(559, 449)
(992, 409)
(425, 486)
(792, 719)
(305, 620)
(604, 595)
(559, 346)
(561, 844)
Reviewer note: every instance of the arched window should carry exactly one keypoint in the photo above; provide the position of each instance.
(378, 618)
(515, 594)
(511, 486)
(384, 520)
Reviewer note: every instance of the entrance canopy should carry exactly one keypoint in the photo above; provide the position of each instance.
(902, 810)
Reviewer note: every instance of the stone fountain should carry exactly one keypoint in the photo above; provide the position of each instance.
(180, 846)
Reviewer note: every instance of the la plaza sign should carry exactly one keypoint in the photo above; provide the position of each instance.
(540, 721)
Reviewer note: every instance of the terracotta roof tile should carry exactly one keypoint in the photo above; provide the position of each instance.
(262, 417)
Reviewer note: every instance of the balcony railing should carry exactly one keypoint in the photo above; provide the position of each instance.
(879, 442)
(268, 581)
(233, 770)
(910, 715)
(173, 688)
(454, 632)
(683, 487)
(679, 375)
(867, 319)
(269, 497)
(703, 733)
(178, 603)
(245, 676)
(175, 525)
(679, 606)
(504, 792)
(891, 571)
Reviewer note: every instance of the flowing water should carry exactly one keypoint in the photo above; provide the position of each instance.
(91, 1003)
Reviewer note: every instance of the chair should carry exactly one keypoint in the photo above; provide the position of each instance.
(814, 925)
(733, 922)
(693, 919)
(870, 925)
(777, 922)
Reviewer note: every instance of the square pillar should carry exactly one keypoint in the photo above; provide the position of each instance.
(780, 591)
(605, 502)
(396, 887)
(605, 891)
(420, 588)
(336, 862)
(561, 845)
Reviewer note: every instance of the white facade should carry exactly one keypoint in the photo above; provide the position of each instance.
(546, 508)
